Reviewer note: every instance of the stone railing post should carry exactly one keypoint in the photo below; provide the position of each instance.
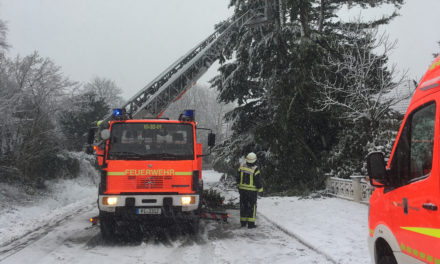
(357, 188)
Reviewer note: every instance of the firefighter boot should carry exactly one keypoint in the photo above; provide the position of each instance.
(251, 225)
(243, 223)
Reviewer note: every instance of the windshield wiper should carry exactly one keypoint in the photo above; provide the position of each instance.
(126, 154)
(165, 156)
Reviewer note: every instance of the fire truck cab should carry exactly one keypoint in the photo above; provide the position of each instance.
(404, 216)
(151, 173)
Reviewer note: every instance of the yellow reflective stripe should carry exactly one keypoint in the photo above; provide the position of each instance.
(180, 173)
(260, 190)
(258, 172)
(243, 218)
(432, 232)
(434, 65)
(116, 173)
(253, 215)
(247, 169)
(251, 177)
(246, 187)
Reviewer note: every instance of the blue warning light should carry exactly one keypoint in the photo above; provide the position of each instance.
(118, 112)
(189, 114)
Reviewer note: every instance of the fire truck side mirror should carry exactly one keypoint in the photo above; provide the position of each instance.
(105, 134)
(376, 168)
(211, 140)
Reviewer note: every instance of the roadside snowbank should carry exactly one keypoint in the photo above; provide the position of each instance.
(21, 213)
(336, 227)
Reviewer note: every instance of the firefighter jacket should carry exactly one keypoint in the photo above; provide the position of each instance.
(249, 178)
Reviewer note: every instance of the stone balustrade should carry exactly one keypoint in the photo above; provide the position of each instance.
(355, 189)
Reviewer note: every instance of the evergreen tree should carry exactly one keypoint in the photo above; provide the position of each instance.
(268, 71)
(85, 109)
(436, 54)
(3, 30)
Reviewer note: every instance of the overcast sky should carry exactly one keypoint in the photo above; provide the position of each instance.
(132, 41)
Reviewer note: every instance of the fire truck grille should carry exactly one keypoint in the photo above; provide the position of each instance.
(149, 182)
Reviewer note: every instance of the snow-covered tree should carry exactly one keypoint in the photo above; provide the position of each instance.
(365, 86)
(106, 90)
(3, 30)
(268, 71)
(436, 54)
(360, 87)
(83, 109)
(209, 113)
(31, 90)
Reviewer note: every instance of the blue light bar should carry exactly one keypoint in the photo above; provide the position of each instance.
(118, 112)
(190, 114)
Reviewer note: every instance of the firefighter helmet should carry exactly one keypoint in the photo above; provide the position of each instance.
(251, 157)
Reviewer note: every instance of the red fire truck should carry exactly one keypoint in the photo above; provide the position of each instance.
(404, 216)
(151, 173)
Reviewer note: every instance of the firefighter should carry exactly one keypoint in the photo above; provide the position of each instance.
(249, 185)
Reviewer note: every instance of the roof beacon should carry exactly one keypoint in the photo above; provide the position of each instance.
(118, 114)
(187, 115)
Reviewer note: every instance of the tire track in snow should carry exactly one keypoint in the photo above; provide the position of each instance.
(299, 239)
(12, 247)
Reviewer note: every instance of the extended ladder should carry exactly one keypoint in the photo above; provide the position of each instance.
(155, 97)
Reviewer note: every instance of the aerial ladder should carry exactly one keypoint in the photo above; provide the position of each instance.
(172, 83)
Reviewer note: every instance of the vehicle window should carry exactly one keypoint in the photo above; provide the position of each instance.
(151, 141)
(413, 156)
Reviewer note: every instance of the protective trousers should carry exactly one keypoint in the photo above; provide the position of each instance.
(248, 207)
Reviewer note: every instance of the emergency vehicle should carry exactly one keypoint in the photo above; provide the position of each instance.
(151, 167)
(404, 216)
(151, 172)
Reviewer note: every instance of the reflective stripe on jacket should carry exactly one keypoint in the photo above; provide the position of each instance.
(249, 179)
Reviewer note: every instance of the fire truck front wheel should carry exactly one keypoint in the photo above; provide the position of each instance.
(108, 227)
(387, 260)
(193, 226)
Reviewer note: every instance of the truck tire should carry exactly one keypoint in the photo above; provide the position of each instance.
(193, 226)
(107, 226)
(387, 260)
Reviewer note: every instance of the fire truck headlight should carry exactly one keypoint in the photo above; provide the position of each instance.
(110, 200)
(187, 200)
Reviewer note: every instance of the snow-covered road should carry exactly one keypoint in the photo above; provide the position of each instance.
(70, 238)
(76, 241)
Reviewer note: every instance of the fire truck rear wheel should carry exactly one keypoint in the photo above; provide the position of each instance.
(107, 228)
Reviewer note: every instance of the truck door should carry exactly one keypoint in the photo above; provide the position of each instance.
(414, 176)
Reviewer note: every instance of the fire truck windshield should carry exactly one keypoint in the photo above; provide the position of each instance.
(151, 141)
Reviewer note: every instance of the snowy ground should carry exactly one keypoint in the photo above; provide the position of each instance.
(336, 227)
(55, 229)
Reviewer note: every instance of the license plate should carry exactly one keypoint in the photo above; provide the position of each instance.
(148, 211)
